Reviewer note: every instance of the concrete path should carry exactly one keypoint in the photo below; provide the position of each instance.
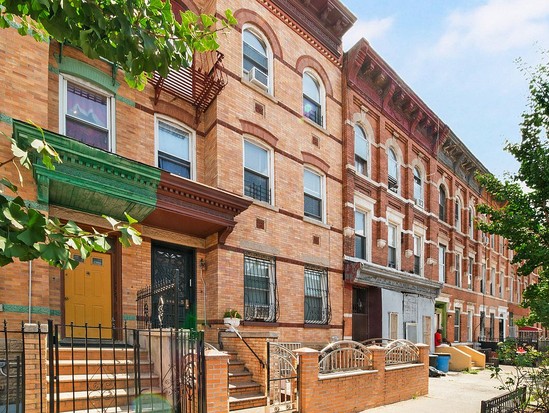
(455, 393)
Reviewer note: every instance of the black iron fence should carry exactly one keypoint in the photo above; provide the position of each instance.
(507, 403)
(61, 368)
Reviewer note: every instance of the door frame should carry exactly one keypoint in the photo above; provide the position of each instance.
(116, 288)
(193, 264)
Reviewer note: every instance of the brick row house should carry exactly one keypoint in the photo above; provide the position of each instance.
(414, 259)
(312, 191)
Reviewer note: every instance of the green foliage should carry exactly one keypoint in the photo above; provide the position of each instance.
(522, 211)
(27, 234)
(231, 313)
(140, 36)
(530, 370)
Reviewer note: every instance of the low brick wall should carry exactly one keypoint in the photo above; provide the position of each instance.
(355, 391)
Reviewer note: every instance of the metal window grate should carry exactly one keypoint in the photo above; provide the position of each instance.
(317, 307)
(259, 289)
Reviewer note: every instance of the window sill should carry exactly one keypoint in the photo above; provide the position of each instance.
(259, 90)
(316, 222)
(262, 204)
(322, 326)
(316, 125)
(260, 323)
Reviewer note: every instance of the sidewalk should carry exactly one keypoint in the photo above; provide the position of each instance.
(455, 393)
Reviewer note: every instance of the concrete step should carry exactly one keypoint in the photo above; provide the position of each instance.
(82, 382)
(81, 366)
(240, 376)
(244, 387)
(246, 401)
(97, 399)
(95, 353)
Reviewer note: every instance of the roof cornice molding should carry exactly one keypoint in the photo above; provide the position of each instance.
(374, 79)
(321, 22)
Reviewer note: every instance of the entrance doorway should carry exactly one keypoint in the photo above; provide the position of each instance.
(360, 314)
(88, 296)
(173, 285)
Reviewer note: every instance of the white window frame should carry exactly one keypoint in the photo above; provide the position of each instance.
(192, 140)
(419, 201)
(270, 76)
(418, 245)
(472, 222)
(270, 154)
(111, 105)
(457, 214)
(442, 263)
(483, 279)
(325, 295)
(501, 284)
(457, 324)
(397, 243)
(390, 150)
(492, 281)
(270, 263)
(322, 193)
(367, 238)
(470, 264)
(322, 93)
(368, 150)
(457, 270)
(442, 190)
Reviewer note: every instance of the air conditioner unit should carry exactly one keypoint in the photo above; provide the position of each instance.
(257, 77)
(419, 203)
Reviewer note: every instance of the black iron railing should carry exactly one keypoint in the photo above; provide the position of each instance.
(507, 403)
(101, 368)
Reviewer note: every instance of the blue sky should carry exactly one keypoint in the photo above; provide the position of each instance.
(460, 58)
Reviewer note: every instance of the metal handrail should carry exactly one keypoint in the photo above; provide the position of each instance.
(261, 362)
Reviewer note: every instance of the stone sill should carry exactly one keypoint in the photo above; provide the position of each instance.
(330, 376)
(403, 366)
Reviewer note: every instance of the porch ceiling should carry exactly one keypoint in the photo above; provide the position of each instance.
(99, 182)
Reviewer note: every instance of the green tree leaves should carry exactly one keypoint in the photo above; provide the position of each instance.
(27, 234)
(140, 36)
(522, 211)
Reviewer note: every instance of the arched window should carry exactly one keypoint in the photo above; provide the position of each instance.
(392, 170)
(256, 59)
(457, 214)
(442, 203)
(362, 151)
(313, 98)
(418, 188)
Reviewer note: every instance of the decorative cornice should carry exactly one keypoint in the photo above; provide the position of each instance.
(374, 79)
(374, 275)
(455, 155)
(321, 22)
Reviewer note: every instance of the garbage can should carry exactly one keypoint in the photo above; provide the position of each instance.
(443, 362)
(433, 360)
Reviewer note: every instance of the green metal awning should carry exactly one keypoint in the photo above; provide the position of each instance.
(90, 179)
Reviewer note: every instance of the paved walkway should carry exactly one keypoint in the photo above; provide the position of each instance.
(455, 393)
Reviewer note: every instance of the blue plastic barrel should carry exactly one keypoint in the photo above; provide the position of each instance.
(443, 362)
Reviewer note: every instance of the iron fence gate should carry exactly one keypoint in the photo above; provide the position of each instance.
(60, 368)
(282, 378)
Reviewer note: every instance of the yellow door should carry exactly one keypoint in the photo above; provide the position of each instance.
(88, 296)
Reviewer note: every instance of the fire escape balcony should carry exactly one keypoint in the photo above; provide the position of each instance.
(198, 84)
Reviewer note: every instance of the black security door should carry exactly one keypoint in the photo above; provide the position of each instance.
(173, 281)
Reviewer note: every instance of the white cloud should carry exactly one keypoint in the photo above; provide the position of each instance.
(369, 29)
(496, 26)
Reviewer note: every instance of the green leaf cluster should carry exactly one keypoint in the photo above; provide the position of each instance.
(27, 234)
(140, 36)
(521, 209)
